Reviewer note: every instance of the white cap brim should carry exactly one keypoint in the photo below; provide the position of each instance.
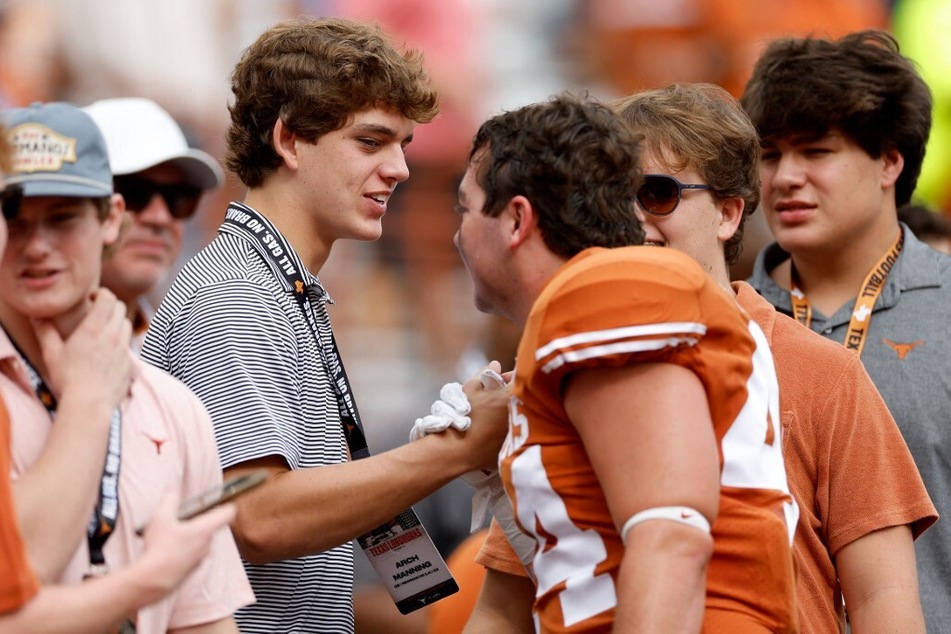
(140, 135)
(199, 168)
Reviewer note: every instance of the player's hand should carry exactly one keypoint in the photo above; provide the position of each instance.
(489, 418)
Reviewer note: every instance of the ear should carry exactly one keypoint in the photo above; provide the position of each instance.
(731, 214)
(893, 164)
(520, 220)
(284, 142)
(113, 222)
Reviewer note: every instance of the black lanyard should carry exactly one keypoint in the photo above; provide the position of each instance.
(244, 222)
(102, 522)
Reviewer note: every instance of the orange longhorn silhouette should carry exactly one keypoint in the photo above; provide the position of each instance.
(902, 349)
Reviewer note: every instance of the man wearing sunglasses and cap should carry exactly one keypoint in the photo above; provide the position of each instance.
(162, 180)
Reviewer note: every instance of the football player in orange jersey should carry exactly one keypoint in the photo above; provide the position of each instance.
(644, 456)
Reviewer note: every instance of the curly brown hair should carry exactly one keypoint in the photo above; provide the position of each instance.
(314, 74)
(701, 126)
(576, 162)
(859, 85)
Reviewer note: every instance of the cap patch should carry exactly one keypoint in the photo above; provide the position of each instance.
(37, 148)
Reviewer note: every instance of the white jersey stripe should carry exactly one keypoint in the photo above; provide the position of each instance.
(627, 332)
(594, 352)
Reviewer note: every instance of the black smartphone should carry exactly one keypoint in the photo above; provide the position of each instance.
(227, 491)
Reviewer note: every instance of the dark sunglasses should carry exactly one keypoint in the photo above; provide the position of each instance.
(182, 200)
(10, 199)
(660, 194)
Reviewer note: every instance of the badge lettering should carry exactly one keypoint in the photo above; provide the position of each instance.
(412, 571)
(407, 561)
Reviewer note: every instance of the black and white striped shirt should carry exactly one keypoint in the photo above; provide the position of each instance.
(231, 331)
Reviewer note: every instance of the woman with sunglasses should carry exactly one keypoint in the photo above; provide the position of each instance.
(162, 180)
(861, 498)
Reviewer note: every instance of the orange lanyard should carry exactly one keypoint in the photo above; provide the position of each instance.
(862, 313)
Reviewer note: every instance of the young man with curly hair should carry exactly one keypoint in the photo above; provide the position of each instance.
(322, 113)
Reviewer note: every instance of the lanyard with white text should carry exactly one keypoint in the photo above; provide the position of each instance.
(102, 523)
(282, 260)
(864, 303)
(400, 550)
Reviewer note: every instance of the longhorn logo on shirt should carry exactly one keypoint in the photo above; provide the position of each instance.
(158, 442)
(902, 349)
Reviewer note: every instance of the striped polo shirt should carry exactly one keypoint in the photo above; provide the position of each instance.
(232, 331)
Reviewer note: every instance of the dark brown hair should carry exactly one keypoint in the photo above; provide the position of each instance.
(859, 85)
(576, 162)
(925, 223)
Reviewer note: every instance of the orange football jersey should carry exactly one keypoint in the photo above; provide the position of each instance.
(611, 307)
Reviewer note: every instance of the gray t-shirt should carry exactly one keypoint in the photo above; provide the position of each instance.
(908, 355)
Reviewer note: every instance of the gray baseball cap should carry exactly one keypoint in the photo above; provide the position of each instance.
(57, 150)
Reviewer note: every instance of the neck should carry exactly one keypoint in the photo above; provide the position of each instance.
(20, 329)
(300, 233)
(531, 275)
(830, 279)
(721, 275)
(129, 299)
(520, 303)
(139, 321)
